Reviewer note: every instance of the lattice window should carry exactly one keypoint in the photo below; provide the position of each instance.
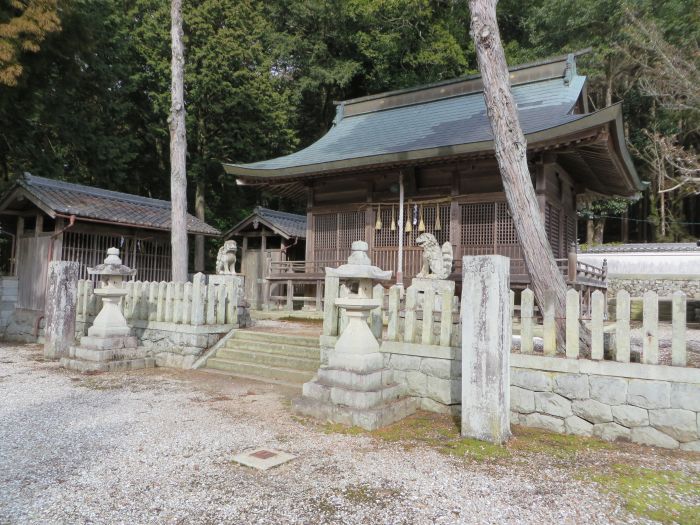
(351, 227)
(505, 229)
(477, 223)
(152, 258)
(385, 237)
(552, 217)
(570, 231)
(325, 237)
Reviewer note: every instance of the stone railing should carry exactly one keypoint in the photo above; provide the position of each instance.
(177, 321)
(193, 303)
(618, 335)
(415, 315)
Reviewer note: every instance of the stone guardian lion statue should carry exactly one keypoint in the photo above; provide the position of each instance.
(437, 261)
(226, 259)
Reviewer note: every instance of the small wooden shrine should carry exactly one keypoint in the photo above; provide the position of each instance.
(398, 164)
(269, 240)
(51, 220)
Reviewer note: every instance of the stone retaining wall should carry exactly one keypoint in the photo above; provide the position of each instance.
(647, 404)
(664, 285)
(172, 345)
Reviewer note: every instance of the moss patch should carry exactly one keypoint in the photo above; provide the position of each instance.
(442, 433)
(557, 445)
(667, 496)
(366, 495)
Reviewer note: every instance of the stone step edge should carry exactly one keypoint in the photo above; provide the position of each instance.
(309, 360)
(253, 335)
(259, 379)
(243, 342)
(268, 367)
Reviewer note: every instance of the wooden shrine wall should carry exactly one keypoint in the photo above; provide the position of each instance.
(469, 200)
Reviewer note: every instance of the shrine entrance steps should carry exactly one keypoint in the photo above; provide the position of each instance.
(282, 358)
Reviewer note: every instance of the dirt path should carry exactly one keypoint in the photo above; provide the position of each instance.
(155, 447)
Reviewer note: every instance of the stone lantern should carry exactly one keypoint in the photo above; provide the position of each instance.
(355, 388)
(110, 322)
(109, 344)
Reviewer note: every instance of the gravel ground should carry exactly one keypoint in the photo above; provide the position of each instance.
(155, 446)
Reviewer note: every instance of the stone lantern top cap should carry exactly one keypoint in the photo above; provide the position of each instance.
(112, 265)
(359, 265)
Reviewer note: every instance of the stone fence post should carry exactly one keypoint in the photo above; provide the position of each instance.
(486, 342)
(61, 308)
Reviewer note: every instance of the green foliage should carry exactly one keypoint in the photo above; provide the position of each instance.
(23, 27)
(604, 208)
(92, 101)
(665, 496)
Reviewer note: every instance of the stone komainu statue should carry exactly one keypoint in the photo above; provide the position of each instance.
(437, 261)
(226, 259)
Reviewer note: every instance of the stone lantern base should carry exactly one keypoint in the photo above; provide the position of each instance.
(107, 354)
(368, 400)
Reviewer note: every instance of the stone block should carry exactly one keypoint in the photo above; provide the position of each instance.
(521, 400)
(404, 362)
(442, 368)
(552, 404)
(592, 410)
(651, 436)
(611, 432)
(686, 396)
(316, 390)
(649, 394)
(680, 424)
(416, 383)
(608, 390)
(553, 424)
(361, 363)
(355, 398)
(572, 386)
(531, 379)
(692, 446)
(514, 418)
(577, 426)
(328, 412)
(347, 379)
(630, 416)
(440, 390)
(430, 405)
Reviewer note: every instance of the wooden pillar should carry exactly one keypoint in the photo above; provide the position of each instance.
(39, 224)
(369, 221)
(309, 248)
(455, 237)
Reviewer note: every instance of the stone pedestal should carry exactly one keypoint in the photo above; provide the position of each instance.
(107, 354)
(355, 388)
(438, 286)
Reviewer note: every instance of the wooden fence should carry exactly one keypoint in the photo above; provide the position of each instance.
(191, 303)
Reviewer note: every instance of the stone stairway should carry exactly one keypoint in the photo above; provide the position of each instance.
(272, 357)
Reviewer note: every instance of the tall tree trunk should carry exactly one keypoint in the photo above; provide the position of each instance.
(511, 153)
(199, 210)
(178, 148)
(598, 230)
(590, 232)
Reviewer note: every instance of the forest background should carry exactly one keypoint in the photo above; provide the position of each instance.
(84, 87)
